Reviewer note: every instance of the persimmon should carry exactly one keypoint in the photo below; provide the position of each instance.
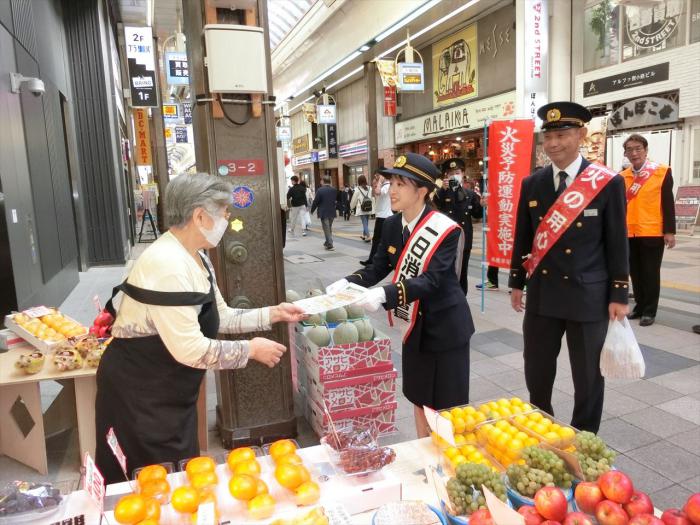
(290, 476)
(248, 466)
(156, 488)
(150, 473)
(204, 479)
(261, 507)
(152, 509)
(292, 459)
(261, 487)
(130, 509)
(307, 493)
(199, 464)
(239, 454)
(243, 487)
(185, 499)
(281, 448)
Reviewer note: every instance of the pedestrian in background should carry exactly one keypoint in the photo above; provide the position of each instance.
(324, 201)
(363, 204)
(651, 225)
(296, 196)
(380, 190)
(307, 213)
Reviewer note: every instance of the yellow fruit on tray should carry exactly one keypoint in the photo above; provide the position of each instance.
(156, 488)
(202, 480)
(281, 448)
(290, 476)
(150, 473)
(261, 487)
(239, 454)
(243, 487)
(307, 493)
(248, 466)
(152, 510)
(185, 499)
(130, 509)
(293, 459)
(261, 507)
(199, 464)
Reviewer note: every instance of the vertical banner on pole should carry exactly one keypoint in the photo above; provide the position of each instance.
(510, 150)
(536, 26)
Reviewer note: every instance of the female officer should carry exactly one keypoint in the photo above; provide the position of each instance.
(422, 249)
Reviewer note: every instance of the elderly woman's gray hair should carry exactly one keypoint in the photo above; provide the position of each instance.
(187, 192)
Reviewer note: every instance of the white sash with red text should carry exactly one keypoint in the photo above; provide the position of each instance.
(565, 209)
(415, 257)
(641, 178)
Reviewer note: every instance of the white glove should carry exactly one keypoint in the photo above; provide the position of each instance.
(335, 287)
(372, 299)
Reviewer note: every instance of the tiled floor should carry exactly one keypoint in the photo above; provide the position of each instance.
(654, 423)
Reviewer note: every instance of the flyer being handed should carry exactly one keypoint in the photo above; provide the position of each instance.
(322, 303)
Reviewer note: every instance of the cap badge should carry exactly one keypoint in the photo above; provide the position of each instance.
(400, 162)
(453, 164)
(553, 115)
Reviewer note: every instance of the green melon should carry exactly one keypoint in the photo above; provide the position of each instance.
(319, 335)
(365, 330)
(292, 296)
(354, 311)
(345, 334)
(312, 292)
(337, 315)
(316, 319)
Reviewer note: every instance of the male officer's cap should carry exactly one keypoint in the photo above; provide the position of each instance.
(563, 115)
(452, 164)
(415, 167)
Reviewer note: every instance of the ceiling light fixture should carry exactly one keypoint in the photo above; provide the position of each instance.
(404, 21)
(328, 72)
(365, 48)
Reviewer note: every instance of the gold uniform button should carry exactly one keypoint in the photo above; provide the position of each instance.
(544, 272)
(540, 217)
(567, 251)
(566, 277)
(617, 286)
(624, 286)
(579, 224)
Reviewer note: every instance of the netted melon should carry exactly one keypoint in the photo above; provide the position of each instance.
(345, 334)
(312, 292)
(337, 315)
(354, 311)
(365, 330)
(292, 296)
(316, 319)
(319, 335)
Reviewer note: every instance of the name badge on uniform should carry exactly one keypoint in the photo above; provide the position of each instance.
(593, 212)
(532, 204)
(391, 250)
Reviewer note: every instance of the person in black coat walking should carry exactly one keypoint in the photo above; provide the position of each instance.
(324, 201)
(421, 247)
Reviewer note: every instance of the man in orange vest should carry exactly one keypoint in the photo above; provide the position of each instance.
(651, 225)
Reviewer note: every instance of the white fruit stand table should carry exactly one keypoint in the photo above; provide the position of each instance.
(411, 458)
(23, 392)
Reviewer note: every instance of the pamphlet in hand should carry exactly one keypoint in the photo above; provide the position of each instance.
(322, 303)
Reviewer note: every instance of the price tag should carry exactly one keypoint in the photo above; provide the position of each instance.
(438, 484)
(570, 460)
(117, 450)
(440, 425)
(501, 513)
(206, 514)
(97, 303)
(94, 483)
(37, 311)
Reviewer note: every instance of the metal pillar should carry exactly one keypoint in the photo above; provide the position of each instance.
(255, 404)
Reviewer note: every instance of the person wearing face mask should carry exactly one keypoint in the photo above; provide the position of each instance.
(459, 204)
(165, 334)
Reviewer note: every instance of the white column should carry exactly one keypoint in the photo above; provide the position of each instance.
(560, 50)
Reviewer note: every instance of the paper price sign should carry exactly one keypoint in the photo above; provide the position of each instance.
(206, 514)
(37, 311)
(116, 449)
(501, 513)
(440, 425)
(94, 482)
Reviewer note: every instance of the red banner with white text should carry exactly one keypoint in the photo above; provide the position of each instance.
(510, 151)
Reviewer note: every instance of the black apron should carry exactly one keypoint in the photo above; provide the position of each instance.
(148, 397)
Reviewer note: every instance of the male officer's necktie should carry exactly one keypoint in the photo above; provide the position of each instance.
(406, 235)
(562, 183)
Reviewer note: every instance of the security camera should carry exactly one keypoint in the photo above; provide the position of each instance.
(34, 85)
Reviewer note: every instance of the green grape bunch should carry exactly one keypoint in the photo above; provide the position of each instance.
(528, 480)
(593, 455)
(548, 461)
(464, 490)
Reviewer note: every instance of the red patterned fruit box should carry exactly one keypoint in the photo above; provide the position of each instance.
(380, 419)
(343, 361)
(354, 392)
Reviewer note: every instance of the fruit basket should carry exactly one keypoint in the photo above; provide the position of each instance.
(44, 332)
(452, 457)
(28, 502)
(464, 492)
(545, 428)
(355, 452)
(537, 468)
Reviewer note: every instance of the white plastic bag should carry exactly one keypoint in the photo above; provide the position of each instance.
(621, 357)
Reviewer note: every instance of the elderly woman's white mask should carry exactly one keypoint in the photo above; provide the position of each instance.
(214, 235)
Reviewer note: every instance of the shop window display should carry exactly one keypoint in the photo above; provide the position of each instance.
(601, 34)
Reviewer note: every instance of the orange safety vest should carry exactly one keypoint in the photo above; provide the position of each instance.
(644, 217)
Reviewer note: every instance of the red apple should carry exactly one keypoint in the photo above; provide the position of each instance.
(577, 518)
(587, 496)
(610, 513)
(616, 486)
(551, 503)
(639, 503)
(104, 318)
(645, 519)
(481, 517)
(692, 509)
(551, 522)
(532, 517)
(675, 517)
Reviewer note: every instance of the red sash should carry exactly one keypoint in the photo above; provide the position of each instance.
(564, 211)
(641, 178)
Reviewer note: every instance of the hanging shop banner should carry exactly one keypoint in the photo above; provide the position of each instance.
(309, 109)
(351, 149)
(300, 145)
(536, 50)
(141, 66)
(187, 112)
(411, 76)
(387, 72)
(169, 133)
(284, 133)
(332, 134)
(143, 137)
(170, 111)
(593, 148)
(176, 70)
(456, 119)
(628, 79)
(510, 150)
(687, 206)
(455, 68)
(644, 112)
(389, 101)
(326, 114)
(181, 134)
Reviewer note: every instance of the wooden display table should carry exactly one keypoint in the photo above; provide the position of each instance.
(74, 406)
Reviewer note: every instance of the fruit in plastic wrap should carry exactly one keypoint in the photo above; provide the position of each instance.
(30, 363)
(24, 497)
(85, 345)
(464, 490)
(67, 360)
(315, 516)
(93, 358)
(357, 451)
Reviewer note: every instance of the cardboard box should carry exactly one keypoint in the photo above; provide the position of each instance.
(354, 392)
(381, 419)
(343, 361)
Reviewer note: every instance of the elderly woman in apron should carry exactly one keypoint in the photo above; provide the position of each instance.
(164, 334)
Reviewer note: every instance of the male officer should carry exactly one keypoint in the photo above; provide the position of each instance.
(571, 251)
(459, 204)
